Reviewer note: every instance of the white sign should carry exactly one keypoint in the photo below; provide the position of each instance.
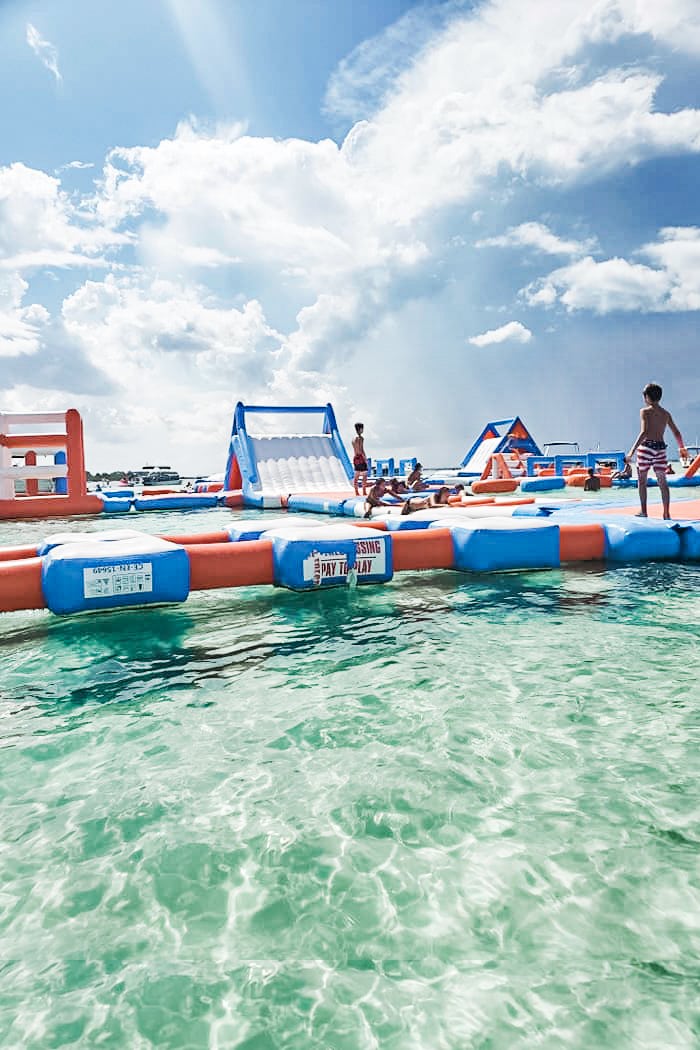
(370, 560)
(107, 581)
(321, 567)
(370, 557)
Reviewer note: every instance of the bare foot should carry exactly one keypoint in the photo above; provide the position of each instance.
(667, 517)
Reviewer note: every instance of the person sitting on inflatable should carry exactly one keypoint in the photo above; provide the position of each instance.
(375, 497)
(415, 479)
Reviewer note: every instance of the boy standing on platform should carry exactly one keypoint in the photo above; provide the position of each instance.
(359, 460)
(651, 447)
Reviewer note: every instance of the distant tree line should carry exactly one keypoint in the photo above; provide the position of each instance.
(114, 475)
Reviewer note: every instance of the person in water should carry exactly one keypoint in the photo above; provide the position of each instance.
(651, 447)
(359, 460)
(592, 482)
(440, 498)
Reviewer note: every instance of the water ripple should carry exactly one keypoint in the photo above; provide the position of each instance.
(453, 812)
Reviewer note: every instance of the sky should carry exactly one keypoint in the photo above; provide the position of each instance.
(432, 215)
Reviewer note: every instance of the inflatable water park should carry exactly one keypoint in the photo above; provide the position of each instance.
(505, 524)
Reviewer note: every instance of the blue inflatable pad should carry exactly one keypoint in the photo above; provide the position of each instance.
(546, 484)
(330, 556)
(405, 523)
(58, 539)
(192, 501)
(689, 535)
(641, 539)
(353, 507)
(98, 575)
(497, 544)
(253, 528)
(118, 493)
(116, 506)
(317, 504)
(531, 510)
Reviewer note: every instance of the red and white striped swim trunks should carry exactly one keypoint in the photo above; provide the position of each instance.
(652, 456)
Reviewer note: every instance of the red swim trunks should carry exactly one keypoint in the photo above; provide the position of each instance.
(652, 456)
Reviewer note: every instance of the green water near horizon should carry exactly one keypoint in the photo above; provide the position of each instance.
(451, 812)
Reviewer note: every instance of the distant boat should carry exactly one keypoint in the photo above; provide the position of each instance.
(153, 475)
(561, 448)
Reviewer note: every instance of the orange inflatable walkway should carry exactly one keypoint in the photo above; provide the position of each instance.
(681, 510)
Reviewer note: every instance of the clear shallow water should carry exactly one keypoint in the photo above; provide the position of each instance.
(450, 812)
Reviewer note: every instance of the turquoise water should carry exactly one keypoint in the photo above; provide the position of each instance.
(451, 812)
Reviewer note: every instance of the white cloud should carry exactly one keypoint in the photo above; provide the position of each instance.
(479, 103)
(313, 247)
(370, 72)
(41, 226)
(165, 333)
(292, 204)
(482, 102)
(512, 332)
(618, 284)
(20, 326)
(538, 236)
(44, 50)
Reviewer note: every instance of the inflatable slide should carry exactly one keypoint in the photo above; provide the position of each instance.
(271, 467)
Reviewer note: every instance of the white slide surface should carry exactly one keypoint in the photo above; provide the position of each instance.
(302, 463)
(481, 457)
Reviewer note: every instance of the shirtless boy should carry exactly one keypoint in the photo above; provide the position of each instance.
(651, 447)
(359, 460)
(375, 497)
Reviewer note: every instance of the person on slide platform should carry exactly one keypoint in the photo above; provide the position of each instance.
(359, 460)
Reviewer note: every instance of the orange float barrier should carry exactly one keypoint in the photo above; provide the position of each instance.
(578, 479)
(581, 542)
(235, 500)
(20, 585)
(468, 501)
(215, 565)
(50, 506)
(515, 502)
(198, 537)
(495, 485)
(17, 553)
(423, 549)
(364, 523)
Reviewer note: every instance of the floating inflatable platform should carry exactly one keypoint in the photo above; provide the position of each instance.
(79, 572)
